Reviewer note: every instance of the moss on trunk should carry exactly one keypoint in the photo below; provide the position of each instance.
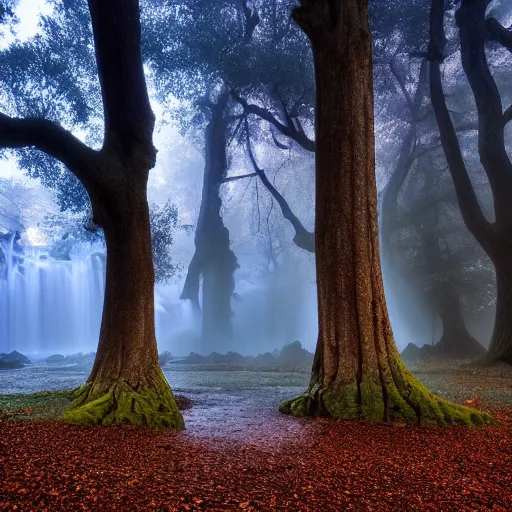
(150, 404)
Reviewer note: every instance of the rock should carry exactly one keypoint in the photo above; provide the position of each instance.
(266, 359)
(13, 360)
(57, 359)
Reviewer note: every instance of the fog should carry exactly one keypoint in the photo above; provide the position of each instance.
(53, 269)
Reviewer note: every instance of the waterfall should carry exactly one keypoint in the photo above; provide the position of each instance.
(50, 305)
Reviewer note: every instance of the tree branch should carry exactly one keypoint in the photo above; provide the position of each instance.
(252, 19)
(51, 138)
(400, 82)
(241, 177)
(303, 238)
(466, 197)
(491, 123)
(497, 32)
(507, 115)
(300, 138)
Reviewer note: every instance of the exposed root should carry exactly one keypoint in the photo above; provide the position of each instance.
(403, 400)
(120, 403)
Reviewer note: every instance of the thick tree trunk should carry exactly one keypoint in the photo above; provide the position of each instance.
(357, 372)
(126, 384)
(213, 257)
(456, 341)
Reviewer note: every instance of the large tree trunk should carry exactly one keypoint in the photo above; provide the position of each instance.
(126, 384)
(456, 341)
(213, 257)
(357, 372)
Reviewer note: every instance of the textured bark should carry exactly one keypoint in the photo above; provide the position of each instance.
(213, 258)
(357, 372)
(126, 384)
(494, 238)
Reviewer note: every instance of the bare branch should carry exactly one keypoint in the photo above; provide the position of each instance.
(291, 132)
(303, 238)
(401, 83)
(241, 177)
(466, 197)
(497, 32)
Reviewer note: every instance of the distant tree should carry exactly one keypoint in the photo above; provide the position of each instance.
(494, 237)
(357, 372)
(449, 265)
(126, 384)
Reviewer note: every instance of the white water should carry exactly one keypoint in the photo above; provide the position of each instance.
(52, 306)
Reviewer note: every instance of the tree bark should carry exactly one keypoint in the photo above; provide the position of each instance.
(126, 384)
(357, 372)
(213, 257)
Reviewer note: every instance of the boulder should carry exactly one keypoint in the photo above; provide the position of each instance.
(411, 353)
(13, 360)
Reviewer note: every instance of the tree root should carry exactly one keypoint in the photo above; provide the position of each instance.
(405, 400)
(120, 404)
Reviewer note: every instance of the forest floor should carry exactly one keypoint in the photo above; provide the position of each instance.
(239, 453)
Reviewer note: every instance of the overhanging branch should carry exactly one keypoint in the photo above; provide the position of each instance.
(49, 137)
(303, 238)
(466, 197)
(497, 32)
(289, 131)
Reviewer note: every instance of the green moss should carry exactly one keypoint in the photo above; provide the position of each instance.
(404, 399)
(152, 406)
(45, 405)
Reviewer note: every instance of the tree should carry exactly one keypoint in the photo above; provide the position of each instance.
(126, 384)
(446, 262)
(357, 372)
(494, 237)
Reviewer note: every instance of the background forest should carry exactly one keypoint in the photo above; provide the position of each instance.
(231, 195)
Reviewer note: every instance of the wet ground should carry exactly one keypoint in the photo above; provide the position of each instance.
(224, 404)
(239, 453)
(242, 405)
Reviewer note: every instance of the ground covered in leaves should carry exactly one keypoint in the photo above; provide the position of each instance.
(241, 457)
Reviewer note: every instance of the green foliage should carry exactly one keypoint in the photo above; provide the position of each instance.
(164, 222)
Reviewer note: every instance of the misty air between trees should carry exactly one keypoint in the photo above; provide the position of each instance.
(333, 172)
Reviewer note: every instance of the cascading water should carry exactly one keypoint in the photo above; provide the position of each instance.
(50, 305)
